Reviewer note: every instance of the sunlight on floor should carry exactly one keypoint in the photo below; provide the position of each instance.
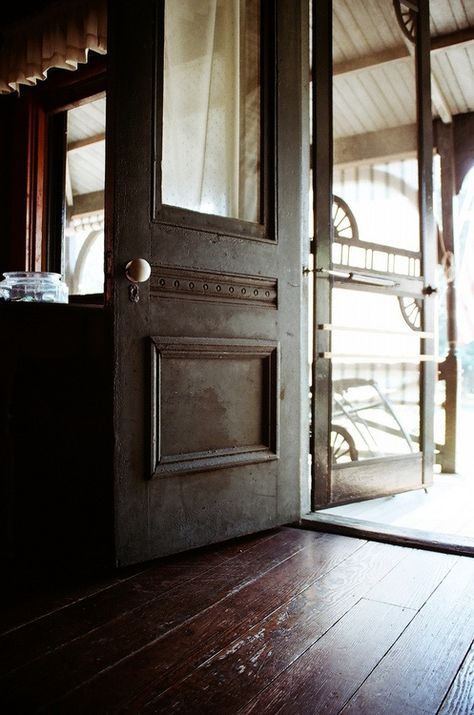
(446, 508)
(448, 505)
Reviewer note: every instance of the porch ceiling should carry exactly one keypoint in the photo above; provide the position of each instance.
(374, 83)
(374, 76)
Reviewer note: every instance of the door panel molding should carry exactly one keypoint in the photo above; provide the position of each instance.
(190, 284)
(202, 418)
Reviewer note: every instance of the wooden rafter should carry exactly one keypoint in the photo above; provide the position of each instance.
(87, 141)
(394, 143)
(441, 43)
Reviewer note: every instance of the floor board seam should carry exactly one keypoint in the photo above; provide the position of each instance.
(380, 660)
(448, 690)
(69, 605)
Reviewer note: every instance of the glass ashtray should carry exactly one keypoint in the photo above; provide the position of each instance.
(33, 287)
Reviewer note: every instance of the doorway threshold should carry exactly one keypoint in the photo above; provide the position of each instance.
(389, 533)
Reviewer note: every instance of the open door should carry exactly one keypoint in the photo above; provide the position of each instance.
(375, 251)
(207, 182)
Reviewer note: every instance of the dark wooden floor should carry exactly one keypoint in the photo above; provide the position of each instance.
(289, 621)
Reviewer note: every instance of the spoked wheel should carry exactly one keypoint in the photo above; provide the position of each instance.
(411, 311)
(343, 447)
(407, 18)
(343, 220)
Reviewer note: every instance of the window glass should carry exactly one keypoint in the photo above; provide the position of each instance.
(375, 375)
(83, 252)
(211, 107)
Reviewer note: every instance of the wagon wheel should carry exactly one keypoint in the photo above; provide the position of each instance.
(343, 220)
(411, 311)
(407, 19)
(342, 445)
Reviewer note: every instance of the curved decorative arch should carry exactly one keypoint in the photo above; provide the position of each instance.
(83, 255)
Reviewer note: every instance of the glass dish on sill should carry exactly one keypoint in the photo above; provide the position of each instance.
(33, 287)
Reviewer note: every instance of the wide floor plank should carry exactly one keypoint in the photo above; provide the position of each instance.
(173, 657)
(414, 579)
(29, 597)
(227, 681)
(289, 621)
(417, 672)
(22, 645)
(55, 673)
(460, 697)
(323, 679)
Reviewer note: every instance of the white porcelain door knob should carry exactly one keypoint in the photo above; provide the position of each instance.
(138, 270)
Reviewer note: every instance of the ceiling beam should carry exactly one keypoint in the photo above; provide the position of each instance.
(87, 141)
(440, 43)
(386, 144)
(460, 38)
(358, 64)
(87, 203)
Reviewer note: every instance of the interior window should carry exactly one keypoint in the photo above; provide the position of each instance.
(211, 107)
(83, 234)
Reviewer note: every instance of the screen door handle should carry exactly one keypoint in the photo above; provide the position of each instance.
(354, 277)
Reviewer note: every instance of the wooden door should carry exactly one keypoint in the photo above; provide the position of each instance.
(375, 251)
(207, 363)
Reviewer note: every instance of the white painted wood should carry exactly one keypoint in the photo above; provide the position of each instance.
(374, 66)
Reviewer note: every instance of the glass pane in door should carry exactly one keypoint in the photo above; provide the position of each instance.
(212, 107)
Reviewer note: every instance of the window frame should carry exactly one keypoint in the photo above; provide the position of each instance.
(42, 110)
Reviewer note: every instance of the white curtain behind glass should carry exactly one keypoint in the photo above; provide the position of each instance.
(211, 113)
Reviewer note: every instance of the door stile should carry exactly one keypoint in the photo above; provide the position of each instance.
(322, 165)
(427, 234)
(129, 164)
